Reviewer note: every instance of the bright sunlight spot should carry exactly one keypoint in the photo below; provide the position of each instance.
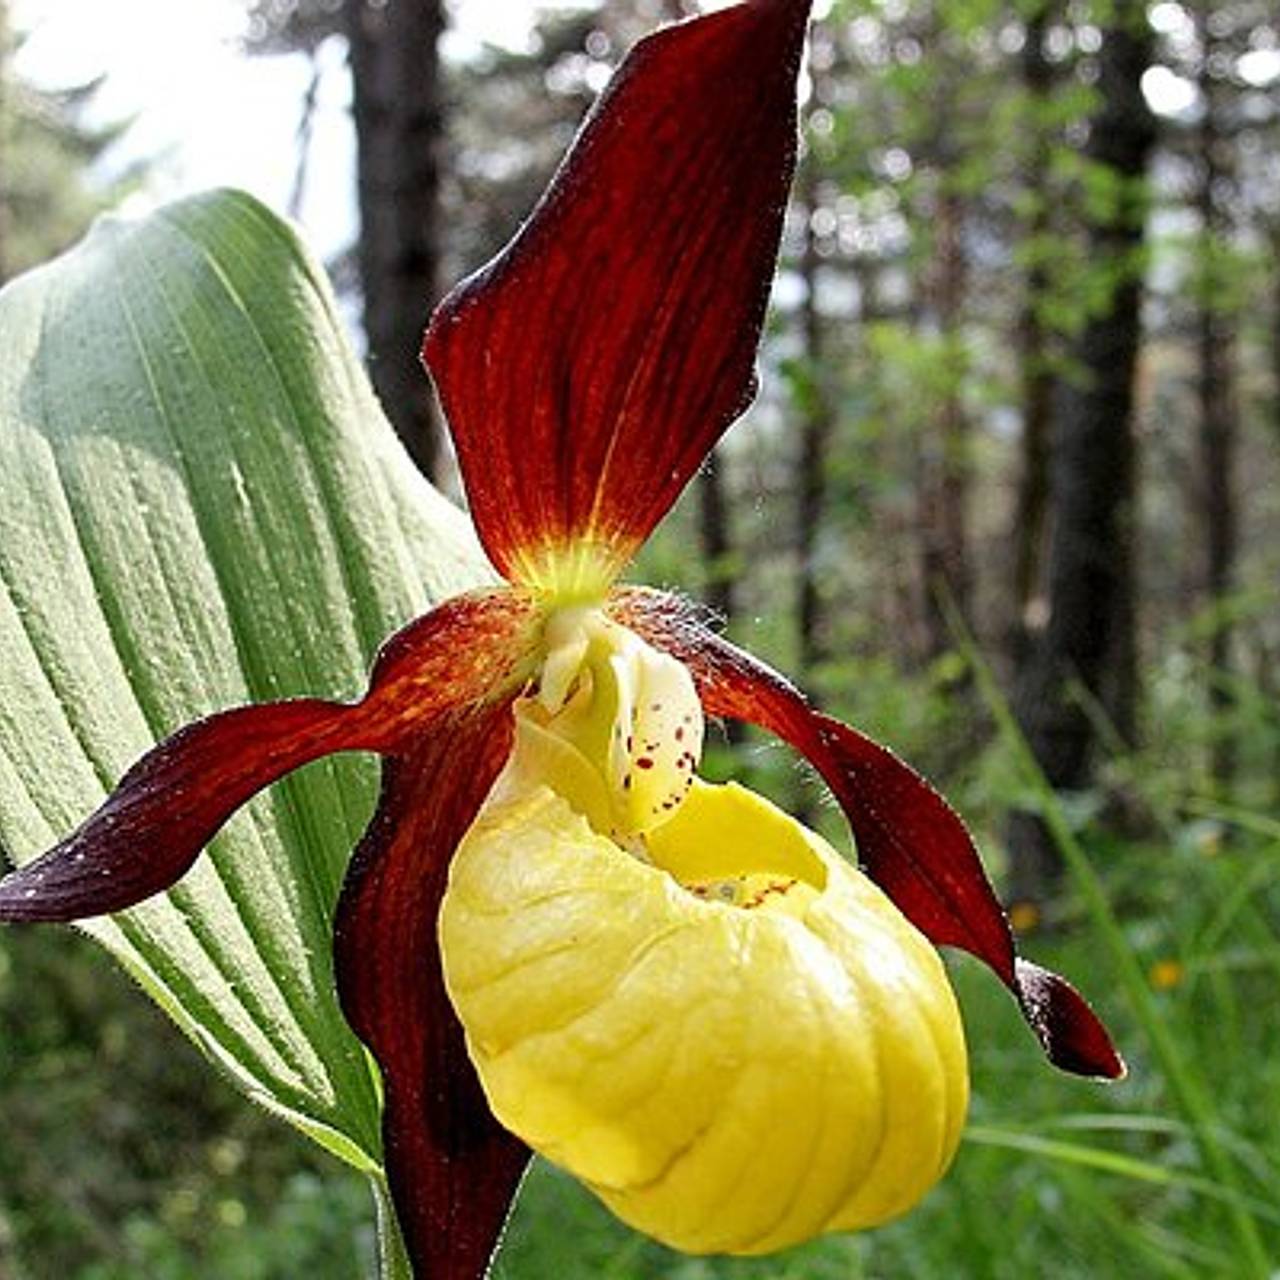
(1167, 94)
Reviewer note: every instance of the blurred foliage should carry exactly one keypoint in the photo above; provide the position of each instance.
(48, 143)
(125, 1155)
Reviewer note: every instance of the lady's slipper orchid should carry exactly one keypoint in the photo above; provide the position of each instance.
(734, 1037)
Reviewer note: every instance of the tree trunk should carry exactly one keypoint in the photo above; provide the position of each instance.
(716, 539)
(715, 533)
(1215, 386)
(944, 478)
(1275, 328)
(397, 96)
(1089, 637)
(1268, 681)
(816, 423)
(953, 284)
(304, 137)
(4, 138)
(1037, 381)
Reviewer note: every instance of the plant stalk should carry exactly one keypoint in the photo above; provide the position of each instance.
(393, 1261)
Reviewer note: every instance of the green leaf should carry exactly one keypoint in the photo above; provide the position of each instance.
(202, 505)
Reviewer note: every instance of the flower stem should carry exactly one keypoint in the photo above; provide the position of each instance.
(393, 1261)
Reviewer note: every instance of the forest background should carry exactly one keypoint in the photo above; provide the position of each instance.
(1009, 502)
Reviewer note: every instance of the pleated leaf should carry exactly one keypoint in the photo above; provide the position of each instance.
(202, 505)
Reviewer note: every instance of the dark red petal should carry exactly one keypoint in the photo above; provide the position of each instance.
(171, 803)
(589, 369)
(473, 648)
(1071, 1032)
(151, 829)
(910, 841)
(452, 1169)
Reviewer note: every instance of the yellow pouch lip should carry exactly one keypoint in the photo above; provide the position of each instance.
(592, 985)
(724, 829)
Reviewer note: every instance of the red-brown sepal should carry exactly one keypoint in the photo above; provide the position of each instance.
(589, 369)
(151, 829)
(475, 648)
(909, 840)
(452, 1169)
(170, 804)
